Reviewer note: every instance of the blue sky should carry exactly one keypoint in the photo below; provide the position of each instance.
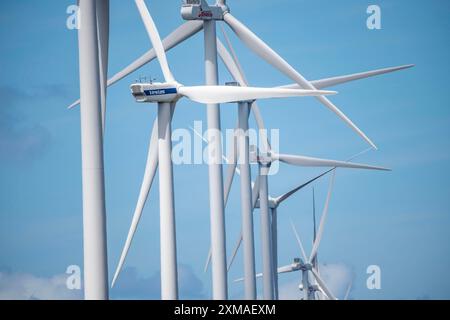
(397, 220)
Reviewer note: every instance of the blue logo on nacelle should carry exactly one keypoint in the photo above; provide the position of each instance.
(159, 92)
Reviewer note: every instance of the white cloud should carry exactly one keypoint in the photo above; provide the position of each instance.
(337, 276)
(23, 286)
(131, 285)
(290, 291)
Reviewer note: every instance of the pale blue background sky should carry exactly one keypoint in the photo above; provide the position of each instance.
(397, 220)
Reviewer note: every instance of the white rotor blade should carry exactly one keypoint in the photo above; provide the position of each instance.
(102, 11)
(258, 275)
(322, 294)
(235, 250)
(323, 219)
(322, 285)
(234, 56)
(183, 32)
(264, 51)
(232, 168)
(330, 82)
(155, 39)
(299, 242)
(255, 196)
(232, 64)
(285, 196)
(149, 174)
(304, 161)
(284, 269)
(359, 154)
(224, 94)
(349, 288)
(224, 158)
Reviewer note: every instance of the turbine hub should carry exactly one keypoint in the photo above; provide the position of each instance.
(307, 266)
(263, 158)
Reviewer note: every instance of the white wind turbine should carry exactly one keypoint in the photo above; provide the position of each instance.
(307, 265)
(166, 95)
(265, 161)
(180, 34)
(235, 69)
(274, 203)
(233, 66)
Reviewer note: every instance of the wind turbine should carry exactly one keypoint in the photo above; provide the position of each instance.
(184, 32)
(274, 203)
(309, 264)
(247, 210)
(233, 66)
(200, 10)
(265, 161)
(166, 95)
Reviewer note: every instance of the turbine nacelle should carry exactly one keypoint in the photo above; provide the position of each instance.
(154, 92)
(297, 264)
(200, 10)
(258, 156)
(272, 204)
(311, 289)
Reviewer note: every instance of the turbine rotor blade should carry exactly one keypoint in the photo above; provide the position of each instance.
(149, 174)
(235, 250)
(304, 161)
(286, 269)
(322, 285)
(299, 242)
(232, 64)
(234, 56)
(232, 168)
(323, 219)
(285, 196)
(155, 39)
(280, 270)
(183, 32)
(330, 82)
(102, 11)
(224, 94)
(258, 275)
(269, 55)
(255, 195)
(349, 288)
